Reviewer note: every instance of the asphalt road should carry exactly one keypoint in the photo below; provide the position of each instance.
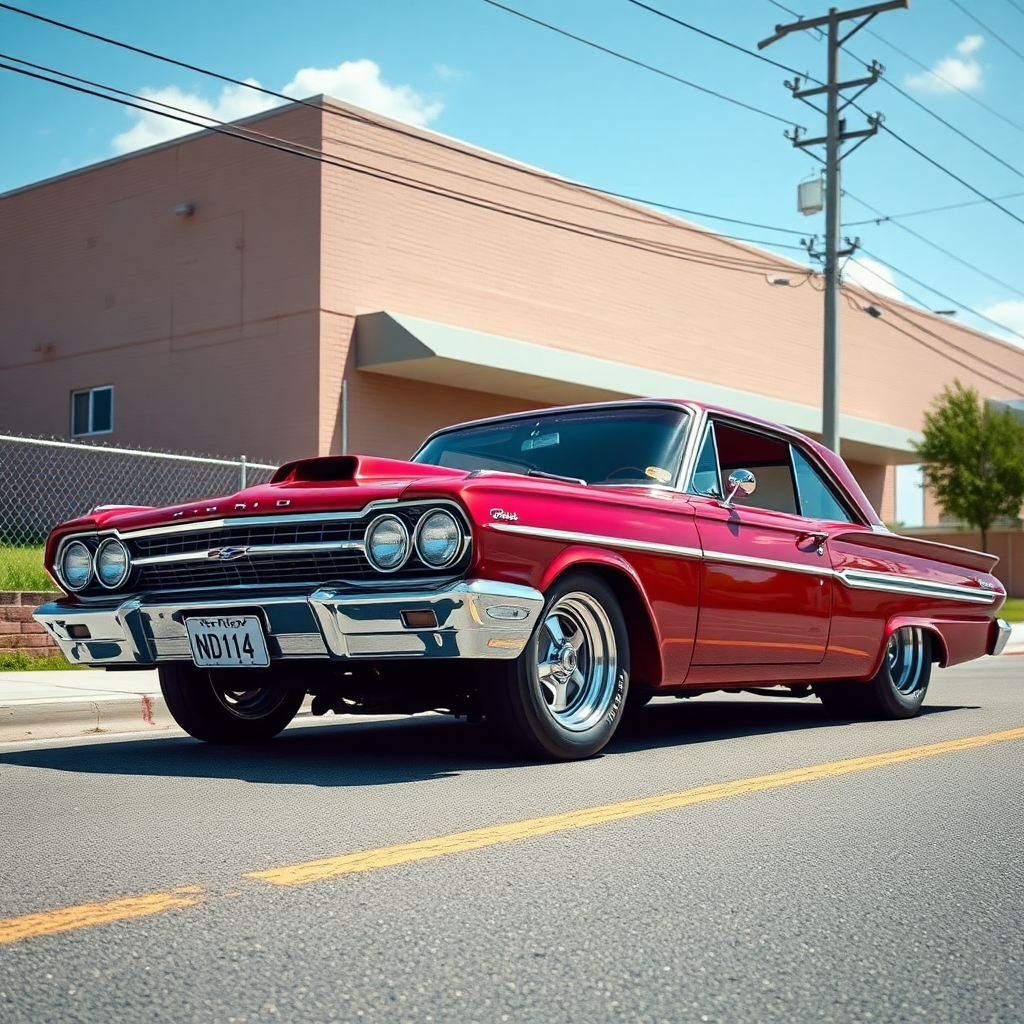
(713, 880)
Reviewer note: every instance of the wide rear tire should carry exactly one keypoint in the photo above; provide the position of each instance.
(563, 698)
(897, 690)
(246, 705)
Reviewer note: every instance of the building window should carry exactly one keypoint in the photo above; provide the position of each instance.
(92, 411)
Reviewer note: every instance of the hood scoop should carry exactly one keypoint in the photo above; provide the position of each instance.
(343, 469)
(327, 470)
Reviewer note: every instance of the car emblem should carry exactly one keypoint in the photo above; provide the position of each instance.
(227, 554)
(500, 513)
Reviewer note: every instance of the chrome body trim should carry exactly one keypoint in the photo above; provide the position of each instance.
(278, 519)
(1001, 634)
(864, 579)
(327, 623)
(858, 579)
(573, 537)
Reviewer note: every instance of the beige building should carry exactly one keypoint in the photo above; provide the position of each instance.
(218, 296)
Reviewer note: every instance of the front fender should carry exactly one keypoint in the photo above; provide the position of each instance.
(646, 653)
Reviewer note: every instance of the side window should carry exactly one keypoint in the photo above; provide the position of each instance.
(767, 458)
(706, 478)
(92, 411)
(817, 499)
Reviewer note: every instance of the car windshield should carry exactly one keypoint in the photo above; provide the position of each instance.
(621, 445)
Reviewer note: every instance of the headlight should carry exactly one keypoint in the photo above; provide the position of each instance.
(387, 543)
(438, 539)
(75, 566)
(112, 563)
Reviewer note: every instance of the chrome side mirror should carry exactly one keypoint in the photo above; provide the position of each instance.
(741, 481)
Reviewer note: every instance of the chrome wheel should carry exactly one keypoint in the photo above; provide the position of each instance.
(563, 697)
(577, 661)
(906, 657)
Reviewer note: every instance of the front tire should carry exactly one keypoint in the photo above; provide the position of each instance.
(227, 705)
(897, 689)
(563, 697)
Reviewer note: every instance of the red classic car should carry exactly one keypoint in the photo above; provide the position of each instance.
(547, 570)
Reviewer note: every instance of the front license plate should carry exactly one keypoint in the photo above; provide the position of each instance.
(227, 641)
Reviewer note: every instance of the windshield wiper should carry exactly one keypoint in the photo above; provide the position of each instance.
(556, 476)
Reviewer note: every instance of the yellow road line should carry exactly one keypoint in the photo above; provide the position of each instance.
(476, 839)
(86, 915)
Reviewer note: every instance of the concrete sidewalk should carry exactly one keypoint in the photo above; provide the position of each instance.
(44, 705)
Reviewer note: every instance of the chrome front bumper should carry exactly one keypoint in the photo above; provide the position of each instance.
(1000, 634)
(474, 619)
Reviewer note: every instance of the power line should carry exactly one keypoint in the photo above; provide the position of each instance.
(758, 56)
(749, 264)
(902, 315)
(999, 382)
(938, 248)
(718, 39)
(698, 256)
(952, 85)
(934, 291)
(460, 174)
(960, 7)
(942, 120)
(1019, 10)
(388, 127)
(946, 170)
(919, 213)
(637, 63)
(799, 17)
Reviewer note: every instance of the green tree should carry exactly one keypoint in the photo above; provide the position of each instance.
(973, 458)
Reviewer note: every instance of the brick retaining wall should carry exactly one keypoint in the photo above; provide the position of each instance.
(17, 629)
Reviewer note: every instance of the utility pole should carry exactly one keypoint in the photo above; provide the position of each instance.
(835, 135)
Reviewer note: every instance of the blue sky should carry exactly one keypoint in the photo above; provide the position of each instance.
(476, 72)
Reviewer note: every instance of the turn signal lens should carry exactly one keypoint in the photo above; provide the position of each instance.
(112, 563)
(438, 539)
(75, 566)
(387, 543)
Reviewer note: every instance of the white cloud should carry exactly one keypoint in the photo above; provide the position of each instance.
(864, 272)
(1011, 315)
(448, 74)
(359, 82)
(151, 127)
(951, 73)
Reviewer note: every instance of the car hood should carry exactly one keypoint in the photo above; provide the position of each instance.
(336, 483)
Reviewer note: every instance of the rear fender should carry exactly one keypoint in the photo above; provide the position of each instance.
(940, 650)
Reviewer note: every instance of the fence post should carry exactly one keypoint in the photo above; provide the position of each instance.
(242, 473)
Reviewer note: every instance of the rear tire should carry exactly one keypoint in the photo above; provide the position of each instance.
(897, 689)
(563, 697)
(226, 705)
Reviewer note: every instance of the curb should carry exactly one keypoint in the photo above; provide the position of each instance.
(62, 719)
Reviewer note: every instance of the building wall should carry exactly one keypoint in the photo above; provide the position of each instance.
(1007, 543)
(206, 325)
(231, 330)
(444, 258)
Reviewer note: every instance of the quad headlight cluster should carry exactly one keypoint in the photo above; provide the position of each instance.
(109, 564)
(437, 540)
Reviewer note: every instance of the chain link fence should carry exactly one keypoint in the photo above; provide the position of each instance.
(44, 482)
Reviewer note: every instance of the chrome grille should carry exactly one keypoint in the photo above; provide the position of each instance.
(333, 564)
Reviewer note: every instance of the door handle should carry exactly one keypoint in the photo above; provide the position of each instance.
(817, 535)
